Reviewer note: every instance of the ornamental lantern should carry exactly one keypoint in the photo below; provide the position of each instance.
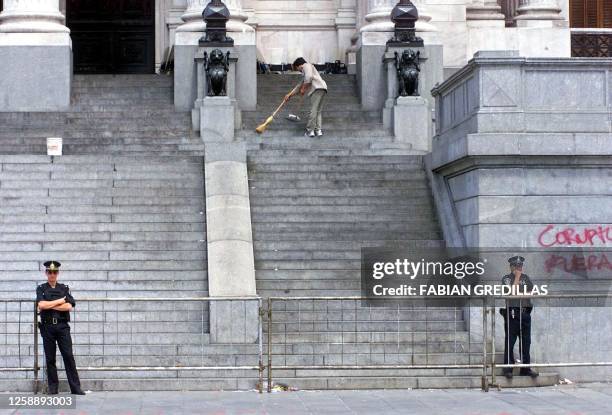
(405, 15)
(216, 14)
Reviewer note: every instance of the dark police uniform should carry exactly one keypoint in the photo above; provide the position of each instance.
(517, 321)
(54, 329)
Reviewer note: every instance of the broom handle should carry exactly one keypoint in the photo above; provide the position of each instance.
(279, 108)
(285, 101)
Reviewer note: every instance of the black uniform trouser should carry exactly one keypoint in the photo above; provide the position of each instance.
(517, 325)
(59, 333)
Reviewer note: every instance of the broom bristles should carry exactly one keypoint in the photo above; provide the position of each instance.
(265, 125)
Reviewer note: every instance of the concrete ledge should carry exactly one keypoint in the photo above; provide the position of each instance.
(498, 91)
(234, 178)
(231, 263)
(234, 152)
(520, 144)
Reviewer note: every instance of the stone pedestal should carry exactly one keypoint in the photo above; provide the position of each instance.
(431, 62)
(217, 115)
(202, 85)
(36, 56)
(372, 44)
(411, 122)
(231, 264)
(186, 48)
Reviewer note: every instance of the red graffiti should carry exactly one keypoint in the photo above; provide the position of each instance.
(550, 236)
(578, 263)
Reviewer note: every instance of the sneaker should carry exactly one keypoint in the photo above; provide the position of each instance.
(318, 132)
(309, 133)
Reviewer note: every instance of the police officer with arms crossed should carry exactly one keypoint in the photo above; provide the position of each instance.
(517, 319)
(54, 304)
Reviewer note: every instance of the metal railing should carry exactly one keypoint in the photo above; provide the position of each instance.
(340, 333)
(310, 333)
(592, 43)
(134, 334)
(18, 338)
(542, 323)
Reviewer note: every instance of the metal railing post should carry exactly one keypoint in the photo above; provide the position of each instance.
(269, 344)
(493, 376)
(35, 351)
(260, 312)
(484, 381)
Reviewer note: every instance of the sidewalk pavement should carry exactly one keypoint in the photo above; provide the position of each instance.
(588, 399)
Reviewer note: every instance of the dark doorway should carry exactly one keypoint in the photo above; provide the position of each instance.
(112, 36)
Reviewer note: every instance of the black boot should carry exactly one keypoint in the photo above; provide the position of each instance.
(507, 372)
(529, 372)
(78, 392)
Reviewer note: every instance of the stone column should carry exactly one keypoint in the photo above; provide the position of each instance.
(346, 23)
(538, 10)
(541, 29)
(193, 17)
(36, 56)
(486, 27)
(32, 16)
(195, 23)
(484, 10)
(378, 16)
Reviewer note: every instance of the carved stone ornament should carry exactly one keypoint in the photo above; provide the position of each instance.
(408, 69)
(217, 67)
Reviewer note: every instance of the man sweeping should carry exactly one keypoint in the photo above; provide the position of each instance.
(315, 86)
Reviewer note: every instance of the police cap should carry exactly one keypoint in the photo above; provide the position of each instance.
(516, 261)
(52, 265)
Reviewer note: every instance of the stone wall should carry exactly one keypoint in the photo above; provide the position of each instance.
(522, 159)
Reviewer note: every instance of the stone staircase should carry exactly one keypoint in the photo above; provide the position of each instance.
(124, 211)
(110, 114)
(315, 202)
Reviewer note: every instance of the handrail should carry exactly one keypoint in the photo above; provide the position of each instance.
(35, 368)
(488, 342)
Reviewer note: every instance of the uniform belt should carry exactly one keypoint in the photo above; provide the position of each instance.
(53, 320)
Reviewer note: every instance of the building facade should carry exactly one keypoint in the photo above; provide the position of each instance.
(139, 34)
(514, 139)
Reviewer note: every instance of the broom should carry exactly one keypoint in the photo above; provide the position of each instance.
(265, 125)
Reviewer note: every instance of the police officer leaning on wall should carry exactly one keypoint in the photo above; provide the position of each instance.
(517, 319)
(54, 304)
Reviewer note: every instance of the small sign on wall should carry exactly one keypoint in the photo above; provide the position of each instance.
(54, 146)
